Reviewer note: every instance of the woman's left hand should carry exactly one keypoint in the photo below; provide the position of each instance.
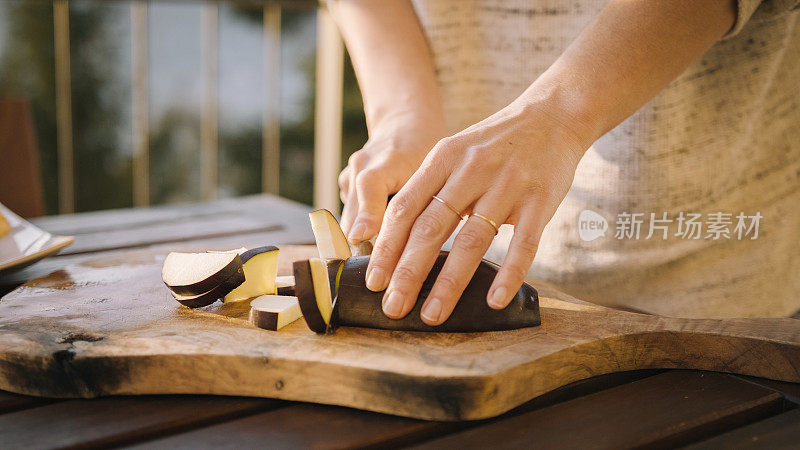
(514, 167)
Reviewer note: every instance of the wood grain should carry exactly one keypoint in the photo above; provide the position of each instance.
(776, 433)
(109, 326)
(268, 220)
(663, 411)
(789, 390)
(124, 229)
(298, 426)
(115, 421)
(15, 402)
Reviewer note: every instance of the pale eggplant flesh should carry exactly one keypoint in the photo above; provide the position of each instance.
(355, 305)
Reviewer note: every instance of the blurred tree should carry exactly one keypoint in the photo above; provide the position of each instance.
(102, 171)
(100, 64)
(27, 70)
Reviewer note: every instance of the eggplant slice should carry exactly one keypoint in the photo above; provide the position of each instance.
(207, 298)
(273, 312)
(260, 268)
(285, 285)
(331, 242)
(195, 274)
(313, 293)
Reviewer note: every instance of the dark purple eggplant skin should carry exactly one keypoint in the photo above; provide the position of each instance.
(201, 287)
(257, 251)
(304, 289)
(357, 306)
(205, 299)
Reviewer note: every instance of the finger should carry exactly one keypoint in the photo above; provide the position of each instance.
(372, 192)
(402, 211)
(344, 183)
(427, 235)
(519, 258)
(349, 211)
(429, 231)
(468, 249)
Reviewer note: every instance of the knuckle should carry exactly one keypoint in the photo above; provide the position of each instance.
(385, 249)
(516, 272)
(343, 184)
(428, 227)
(515, 173)
(446, 142)
(404, 274)
(479, 160)
(528, 244)
(444, 146)
(470, 240)
(358, 160)
(449, 284)
(399, 206)
(366, 177)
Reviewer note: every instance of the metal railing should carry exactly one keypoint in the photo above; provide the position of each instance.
(327, 114)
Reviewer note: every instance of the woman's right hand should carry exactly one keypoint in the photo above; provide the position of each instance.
(395, 149)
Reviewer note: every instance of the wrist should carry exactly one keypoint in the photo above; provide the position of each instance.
(418, 116)
(567, 109)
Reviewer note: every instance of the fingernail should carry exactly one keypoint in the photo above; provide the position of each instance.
(432, 310)
(357, 232)
(393, 305)
(376, 280)
(498, 297)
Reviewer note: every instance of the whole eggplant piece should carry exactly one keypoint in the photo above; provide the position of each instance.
(355, 305)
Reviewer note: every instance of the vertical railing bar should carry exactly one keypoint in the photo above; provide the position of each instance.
(328, 113)
(140, 101)
(270, 126)
(63, 97)
(209, 133)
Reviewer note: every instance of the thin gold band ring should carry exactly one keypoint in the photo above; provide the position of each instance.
(449, 206)
(489, 221)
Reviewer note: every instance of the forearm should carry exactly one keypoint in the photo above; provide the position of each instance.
(624, 57)
(391, 58)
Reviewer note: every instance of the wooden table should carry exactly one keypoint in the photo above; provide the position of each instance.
(632, 409)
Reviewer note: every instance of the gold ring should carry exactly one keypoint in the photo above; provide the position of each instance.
(489, 221)
(449, 206)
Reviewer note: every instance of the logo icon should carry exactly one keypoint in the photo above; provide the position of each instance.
(591, 225)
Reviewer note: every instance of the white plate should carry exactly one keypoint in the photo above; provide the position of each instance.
(25, 244)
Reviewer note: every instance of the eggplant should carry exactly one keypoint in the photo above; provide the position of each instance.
(207, 298)
(313, 290)
(331, 242)
(285, 285)
(195, 274)
(260, 267)
(355, 305)
(273, 312)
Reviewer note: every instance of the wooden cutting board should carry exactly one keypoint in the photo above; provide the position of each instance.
(110, 327)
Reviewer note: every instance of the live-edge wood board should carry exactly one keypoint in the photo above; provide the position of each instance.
(109, 327)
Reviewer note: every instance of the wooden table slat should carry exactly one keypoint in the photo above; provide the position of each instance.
(10, 402)
(114, 230)
(670, 409)
(120, 420)
(789, 390)
(775, 433)
(137, 218)
(316, 426)
(225, 224)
